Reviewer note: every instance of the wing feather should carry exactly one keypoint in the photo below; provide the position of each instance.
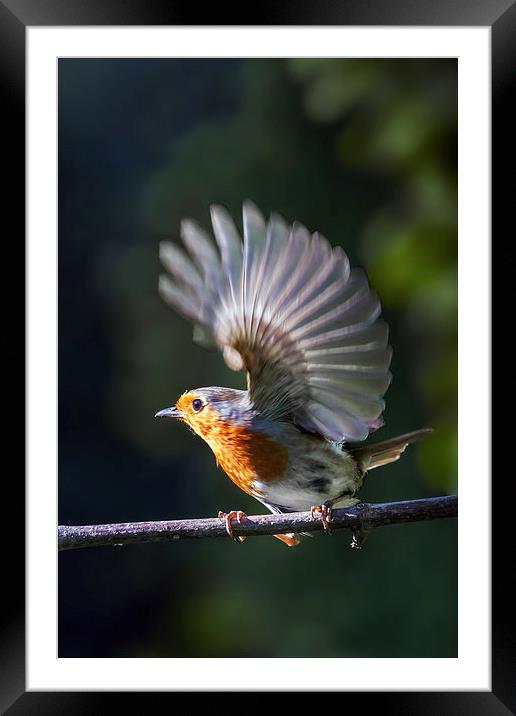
(254, 246)
(287, 307)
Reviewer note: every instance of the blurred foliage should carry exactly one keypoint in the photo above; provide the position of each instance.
(363, 151)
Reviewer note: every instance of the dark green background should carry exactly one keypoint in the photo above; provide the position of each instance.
(364, 151)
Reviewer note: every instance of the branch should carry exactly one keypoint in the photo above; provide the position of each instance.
(361, 519)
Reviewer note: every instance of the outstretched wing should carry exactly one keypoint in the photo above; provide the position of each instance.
(285, 306)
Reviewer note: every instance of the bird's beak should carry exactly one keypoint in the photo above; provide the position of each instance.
(172, 412)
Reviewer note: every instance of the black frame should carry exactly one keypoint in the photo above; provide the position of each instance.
(15, 16)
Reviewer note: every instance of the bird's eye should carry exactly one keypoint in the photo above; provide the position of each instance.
(197, 405)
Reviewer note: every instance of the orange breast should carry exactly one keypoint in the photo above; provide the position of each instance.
(245, 455)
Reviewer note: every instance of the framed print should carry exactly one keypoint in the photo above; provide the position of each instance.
(378, 131)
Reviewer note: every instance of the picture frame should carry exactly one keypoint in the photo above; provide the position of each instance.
(15, 18)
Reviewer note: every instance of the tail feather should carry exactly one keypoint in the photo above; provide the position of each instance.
(387, 451)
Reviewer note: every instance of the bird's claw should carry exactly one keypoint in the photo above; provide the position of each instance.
(357, 540)
(325, 511)
(237, 515)
(361, 533)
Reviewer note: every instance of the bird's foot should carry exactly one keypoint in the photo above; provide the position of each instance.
(325, 512)
(237, 515)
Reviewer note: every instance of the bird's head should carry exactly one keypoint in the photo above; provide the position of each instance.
(205, 409)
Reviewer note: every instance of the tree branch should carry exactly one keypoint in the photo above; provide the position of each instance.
(361, 519)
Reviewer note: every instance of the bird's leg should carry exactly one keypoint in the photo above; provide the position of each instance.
(237, 515)
(290, 539)
(325, 512)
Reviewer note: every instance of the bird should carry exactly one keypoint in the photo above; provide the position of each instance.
(285, 306)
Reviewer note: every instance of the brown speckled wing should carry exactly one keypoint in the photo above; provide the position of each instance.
(287, 307)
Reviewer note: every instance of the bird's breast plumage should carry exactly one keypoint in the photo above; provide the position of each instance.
(246, 455)
(276, 462)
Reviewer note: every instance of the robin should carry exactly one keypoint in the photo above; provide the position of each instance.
(286, 307)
